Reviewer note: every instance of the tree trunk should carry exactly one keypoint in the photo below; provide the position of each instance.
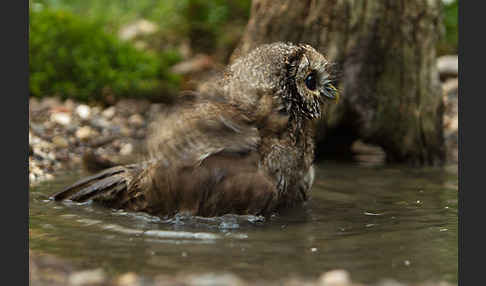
(385, 54)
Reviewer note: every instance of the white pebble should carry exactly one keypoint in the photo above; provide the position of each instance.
(335, 278)
(127, 149)
(61, 118)
(109, 112)
(87, 277)
(136, 120)
(83, 111)
(84, 133)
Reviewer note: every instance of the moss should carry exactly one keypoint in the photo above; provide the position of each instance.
(449, 42)
(210, 26)
(74, 57)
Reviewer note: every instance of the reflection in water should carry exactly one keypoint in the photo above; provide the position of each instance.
(376, 222)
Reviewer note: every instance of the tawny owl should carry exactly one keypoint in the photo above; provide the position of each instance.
(244, 145)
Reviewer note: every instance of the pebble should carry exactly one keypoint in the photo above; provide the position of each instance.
(128, 279)
(60, 142)
(212, 279)
(448, 66)
(126, 149)
(84, 133)
(87, 277)
(61, 118)
(109, 112)
(337, 277)
(136, 120)
(127, 132)
(100, 123)
(83, 111)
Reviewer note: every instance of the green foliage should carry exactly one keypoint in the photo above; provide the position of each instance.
(74, 57)
(448, 43)
(209, 25)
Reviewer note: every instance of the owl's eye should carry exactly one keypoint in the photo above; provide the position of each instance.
(311, 81)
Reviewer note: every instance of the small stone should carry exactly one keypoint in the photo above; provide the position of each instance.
(136, 120)
(100, 123)
(213, 279)
(126, 149)
(140, 27)
(95, 110)
(87, 277)
(109, 112)
(448, 66)
(61, 118)
(128, 279)
(60, 142)
(83, 111)
(337, 277)
(125, 131)
(84, 133)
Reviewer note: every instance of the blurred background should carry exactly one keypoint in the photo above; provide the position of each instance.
(100, 50)
(96, 50)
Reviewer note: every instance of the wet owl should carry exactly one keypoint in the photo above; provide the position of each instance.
(242, 145)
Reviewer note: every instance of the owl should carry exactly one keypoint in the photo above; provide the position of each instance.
(242, 145)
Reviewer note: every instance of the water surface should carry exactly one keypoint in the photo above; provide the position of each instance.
(376, 222)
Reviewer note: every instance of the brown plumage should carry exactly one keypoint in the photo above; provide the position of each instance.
(244, 145)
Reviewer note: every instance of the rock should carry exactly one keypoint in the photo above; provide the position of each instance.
(128, 279)
(450, 87)
(95, 110)
(61, 118)
(448, 66)
(389, 282)
(109, 112)
(136, 120)
(140, 27)
(84, 133)
(60, 142)
(87, 277)
(196, 64)
(126, 149)
(83, 111)
(335, 278)
(125, 131)
(213, 279)
(100, 123)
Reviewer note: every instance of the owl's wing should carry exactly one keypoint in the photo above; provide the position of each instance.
(204, 160)
(199, 127)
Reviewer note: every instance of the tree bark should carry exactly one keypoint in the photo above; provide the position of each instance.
(385, 55)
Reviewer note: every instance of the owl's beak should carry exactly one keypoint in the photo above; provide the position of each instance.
(331, 92)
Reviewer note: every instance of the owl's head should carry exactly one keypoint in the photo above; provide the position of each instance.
(296, 75)
(309, 83)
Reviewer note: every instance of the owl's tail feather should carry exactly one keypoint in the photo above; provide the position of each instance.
(104, 185)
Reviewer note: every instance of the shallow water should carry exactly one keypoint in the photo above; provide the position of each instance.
(376, 222)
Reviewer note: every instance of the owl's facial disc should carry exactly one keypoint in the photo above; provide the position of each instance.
(313, 83)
